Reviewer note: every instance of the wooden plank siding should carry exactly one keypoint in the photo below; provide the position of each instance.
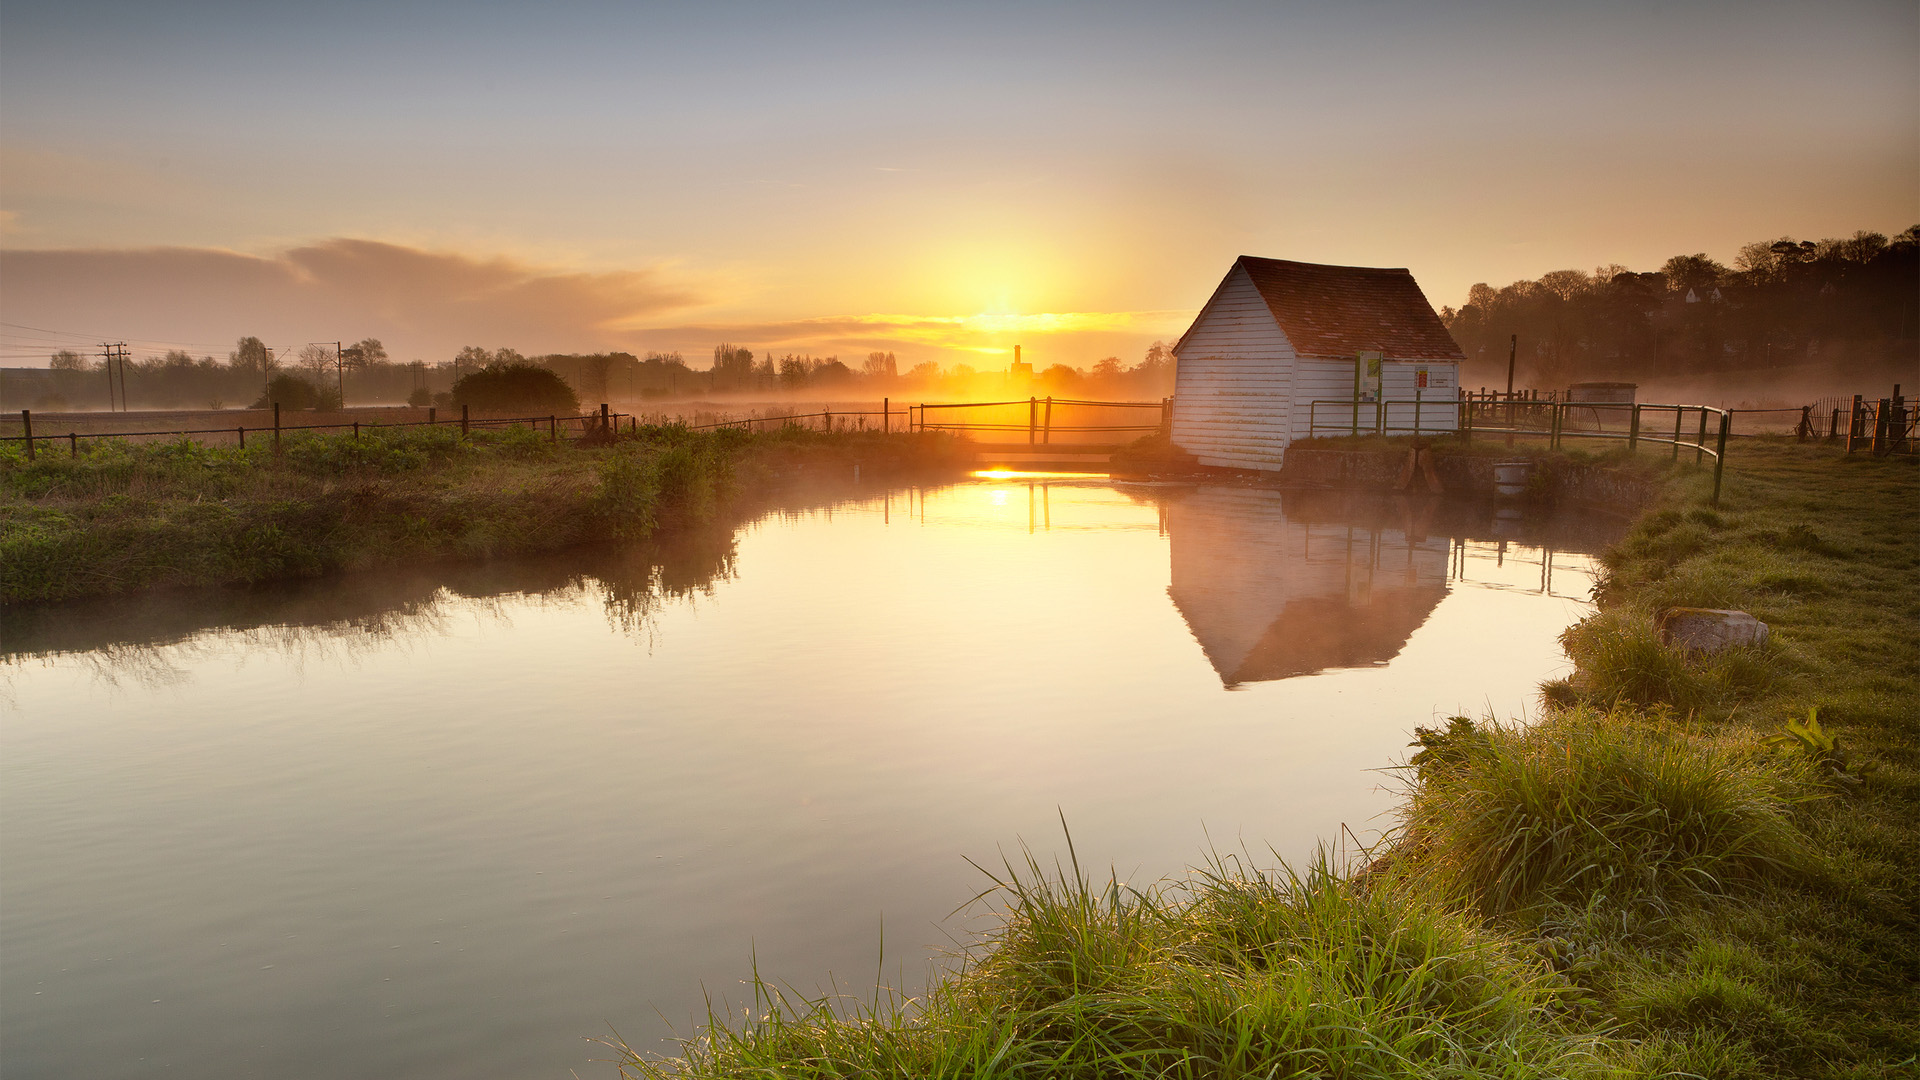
(1277, 336)
(1233, 381)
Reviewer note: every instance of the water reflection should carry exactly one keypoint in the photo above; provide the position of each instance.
(522, 801)
(1275, 585)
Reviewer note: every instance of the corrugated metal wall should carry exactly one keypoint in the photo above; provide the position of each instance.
(1233, 383)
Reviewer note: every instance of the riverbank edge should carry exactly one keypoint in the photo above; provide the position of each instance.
(1615, 482)
(1770, 940)
(122, 518)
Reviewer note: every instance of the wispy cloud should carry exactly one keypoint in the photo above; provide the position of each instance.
(989, 333)
(422, 303)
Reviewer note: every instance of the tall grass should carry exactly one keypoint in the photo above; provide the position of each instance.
(1589, 803)
(1230, 974)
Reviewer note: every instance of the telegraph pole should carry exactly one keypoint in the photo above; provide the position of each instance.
(111, 352)
(339, 369)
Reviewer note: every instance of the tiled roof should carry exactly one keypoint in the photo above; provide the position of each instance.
(1340, 311)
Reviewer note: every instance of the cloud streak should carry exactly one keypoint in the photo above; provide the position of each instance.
(422, 303)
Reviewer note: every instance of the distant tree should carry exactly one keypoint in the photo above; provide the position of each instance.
(67, 360)
(1108, 368)
(515, 387)
(731, 366)
(880, 364)
(793, 372)
(830, 372)
(1159, 356)
(317, 361)
(250, 356)
(1060, 378)
(362, 354)
(470, 358)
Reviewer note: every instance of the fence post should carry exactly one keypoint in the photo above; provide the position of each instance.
(1678, 414)
(1466, 418)
(1046, 434)
(1700, 440)
(1720, 456)
(1556, 421)
(1033, 420)
(606, 428)
(26, 421)
(73, 444)
(1380, 415)
(433, 415)
(242, 431)
(1881, 417)
(276, 427)
(356, 429)
(1633, 430)
(1833, 425)
(464, 421)
(1853, 424)
(886, 415)
(826, 420)
(553, 428)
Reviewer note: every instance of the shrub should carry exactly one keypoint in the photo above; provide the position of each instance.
(294, 392)
(516, 387)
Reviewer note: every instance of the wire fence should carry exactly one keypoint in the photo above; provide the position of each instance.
(600, 424)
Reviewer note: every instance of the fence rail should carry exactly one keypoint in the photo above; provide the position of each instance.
(602, 421)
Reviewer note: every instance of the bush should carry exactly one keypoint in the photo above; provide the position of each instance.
(420, 398)
(525, 388)
(294, 392)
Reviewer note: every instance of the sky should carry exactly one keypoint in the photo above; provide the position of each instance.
(941, 181)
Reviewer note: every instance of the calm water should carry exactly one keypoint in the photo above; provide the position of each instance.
(456, 823)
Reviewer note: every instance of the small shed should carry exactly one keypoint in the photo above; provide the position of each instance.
(1278, 336)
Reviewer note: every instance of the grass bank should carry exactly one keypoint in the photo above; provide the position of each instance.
(123, 517)
(1661, 877)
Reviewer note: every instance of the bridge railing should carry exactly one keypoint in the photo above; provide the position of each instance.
(1047, 421)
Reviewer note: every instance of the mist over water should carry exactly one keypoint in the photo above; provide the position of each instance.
(452, 822)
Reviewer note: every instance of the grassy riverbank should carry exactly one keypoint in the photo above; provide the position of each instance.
(124, 517)
(1640, 884)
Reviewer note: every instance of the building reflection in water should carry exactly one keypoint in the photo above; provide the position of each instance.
(1277, 584)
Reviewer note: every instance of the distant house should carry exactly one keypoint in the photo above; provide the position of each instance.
(1278, 336)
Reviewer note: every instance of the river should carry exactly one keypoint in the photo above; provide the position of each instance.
(457, 822)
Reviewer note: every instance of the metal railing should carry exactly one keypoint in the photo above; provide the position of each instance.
(1556, 421)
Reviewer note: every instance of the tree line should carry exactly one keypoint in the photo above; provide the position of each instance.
(1839, 303)
(361, 373)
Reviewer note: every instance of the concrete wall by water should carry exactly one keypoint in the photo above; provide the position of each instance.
(1576, 483)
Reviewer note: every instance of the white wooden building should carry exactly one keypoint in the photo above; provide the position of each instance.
(1278, 336)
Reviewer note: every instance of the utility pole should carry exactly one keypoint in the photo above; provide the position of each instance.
(110, 353)
(339, 369)
(266, 376)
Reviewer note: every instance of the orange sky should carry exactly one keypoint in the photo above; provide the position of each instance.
(941, 182)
